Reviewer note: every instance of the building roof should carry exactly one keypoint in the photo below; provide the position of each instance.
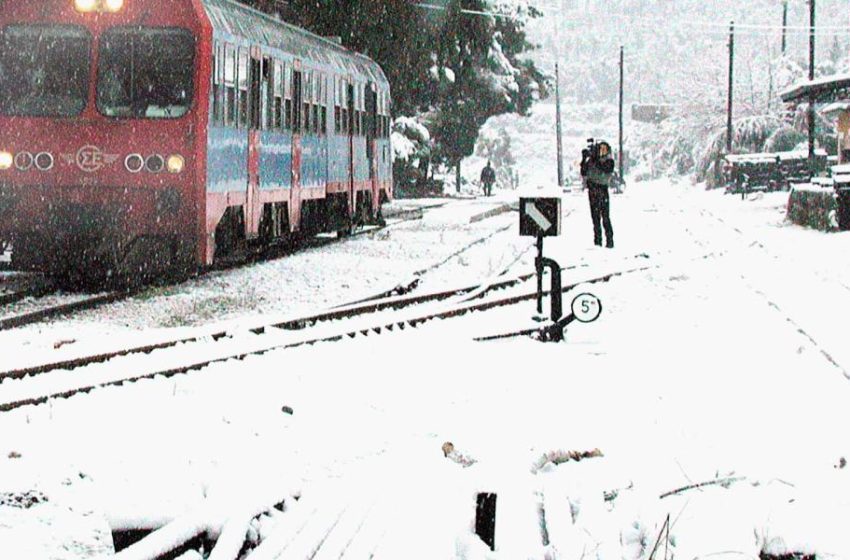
(824, 90)
(767, 157)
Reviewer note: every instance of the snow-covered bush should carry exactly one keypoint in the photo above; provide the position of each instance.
(411, 156)
(784, 139)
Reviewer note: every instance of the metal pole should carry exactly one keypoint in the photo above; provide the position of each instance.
(539, 274)
(811, 96)
(558, 125)
(622, 75)
(731, 86)
(784, 26)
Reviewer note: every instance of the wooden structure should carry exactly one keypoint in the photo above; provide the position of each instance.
(768, 171)
(833, 91)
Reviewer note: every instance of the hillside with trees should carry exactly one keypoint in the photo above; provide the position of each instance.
(676, 54)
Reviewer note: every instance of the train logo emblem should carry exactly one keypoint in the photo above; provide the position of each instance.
(90, 159)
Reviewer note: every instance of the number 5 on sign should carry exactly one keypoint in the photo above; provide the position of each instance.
(586, 308)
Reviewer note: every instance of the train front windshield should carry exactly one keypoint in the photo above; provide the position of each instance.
(145, 73)
(44, 70)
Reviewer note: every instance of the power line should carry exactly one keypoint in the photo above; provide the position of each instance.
(720, 33)
(470, 12)
(702, 23)
(754, 29)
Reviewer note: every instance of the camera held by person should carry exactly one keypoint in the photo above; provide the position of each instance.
(597, 169)
(589, 153)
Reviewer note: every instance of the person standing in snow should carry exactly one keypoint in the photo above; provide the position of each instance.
(488, 177)
(597, 169)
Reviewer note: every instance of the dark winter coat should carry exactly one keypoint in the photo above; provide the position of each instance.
(488, 175)
(598, 172)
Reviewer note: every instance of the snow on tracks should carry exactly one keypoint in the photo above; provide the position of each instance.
(38, 383)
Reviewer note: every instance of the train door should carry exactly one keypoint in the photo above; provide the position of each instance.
(253, 207)
(297, 120)
(371, 144)
(352, 185)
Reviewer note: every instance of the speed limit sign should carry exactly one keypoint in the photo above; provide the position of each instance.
(586, 308)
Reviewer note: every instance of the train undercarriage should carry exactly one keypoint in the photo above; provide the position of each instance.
(326, 215)
(87, 247)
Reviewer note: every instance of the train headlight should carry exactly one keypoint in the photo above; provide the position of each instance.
(85, 5)
(154, 163)
(113, 5)
(134, 163)
(6, 161)
(44, 161)
(175, 164)
(23, 161)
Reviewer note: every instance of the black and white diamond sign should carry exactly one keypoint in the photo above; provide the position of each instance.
(540, 217)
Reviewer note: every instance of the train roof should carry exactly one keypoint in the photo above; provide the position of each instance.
(232, 17)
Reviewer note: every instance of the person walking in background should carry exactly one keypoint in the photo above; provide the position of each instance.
(597, 169)
(488, 178)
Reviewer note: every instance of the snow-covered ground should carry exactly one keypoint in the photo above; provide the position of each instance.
(724, 361)
(443, 247)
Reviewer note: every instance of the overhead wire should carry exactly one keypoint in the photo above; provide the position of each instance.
(744, 28)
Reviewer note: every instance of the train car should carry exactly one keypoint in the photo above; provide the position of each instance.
(142, 136)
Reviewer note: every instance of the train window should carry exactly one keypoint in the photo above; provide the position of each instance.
(287, 114)
(287, 81)
(145, 72)
(316, 122)
(218, 86)
(229, 65)
(242, 69)
(323, 128)
(242, 86)
(287, 95)
(277, 95)
(256, 83)
(44, 70)
(297, 113)
(229, 85)
(306, 97)
(337, 119)
(318, 91)
(268, 93)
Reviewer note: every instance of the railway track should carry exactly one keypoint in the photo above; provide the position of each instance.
(18, 287)
(43, 288)
(63, 309)
(40, 383)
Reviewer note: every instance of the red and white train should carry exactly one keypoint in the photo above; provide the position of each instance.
(141, 136)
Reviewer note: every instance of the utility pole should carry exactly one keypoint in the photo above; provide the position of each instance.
(558, 129)
(558, 124)
(784, 26)
(731, 87)
(622, 76)
(811, 96)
